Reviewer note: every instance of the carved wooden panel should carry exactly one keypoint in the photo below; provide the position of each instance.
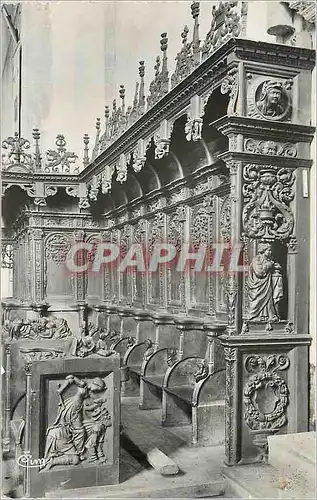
(137, 276)
(156, 280)
(94, 284)
(73, 412)
(124, 275)
(114, 269)
(200, 234)
(58, 280)
(175, 236)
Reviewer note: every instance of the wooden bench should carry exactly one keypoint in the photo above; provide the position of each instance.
(194, 393)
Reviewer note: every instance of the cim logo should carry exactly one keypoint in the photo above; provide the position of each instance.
(26, 461)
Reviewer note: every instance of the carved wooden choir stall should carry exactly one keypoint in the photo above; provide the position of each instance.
(219, 153)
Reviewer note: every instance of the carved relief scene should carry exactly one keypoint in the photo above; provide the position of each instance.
(157, 327)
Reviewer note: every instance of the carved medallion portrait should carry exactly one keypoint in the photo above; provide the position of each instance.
(270, 100)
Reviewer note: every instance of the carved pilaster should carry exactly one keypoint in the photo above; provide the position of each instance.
(38, 269)
(80, 279)
(230, 412)
(234, 280)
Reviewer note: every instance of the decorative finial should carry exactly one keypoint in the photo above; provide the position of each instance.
(122, 96)
(142, 93)
(157, 66)
(95, 151)
(86, 142)
(37, 154)
(195, 8)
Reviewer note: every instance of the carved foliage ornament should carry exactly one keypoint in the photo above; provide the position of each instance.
(60, 160)
(57, 247)
(267, 192)
(225, 219)
(266, 396)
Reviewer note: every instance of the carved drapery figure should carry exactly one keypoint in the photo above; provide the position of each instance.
(79, 429)
(265, 286)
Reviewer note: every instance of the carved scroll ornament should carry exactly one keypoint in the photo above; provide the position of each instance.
(270, 148)
(267, 192)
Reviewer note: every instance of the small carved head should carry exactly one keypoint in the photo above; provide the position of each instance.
(272, 92)
(265, 249)
(97, 385)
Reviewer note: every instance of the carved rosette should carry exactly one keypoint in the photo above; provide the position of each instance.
(267, 193)
(266, 397)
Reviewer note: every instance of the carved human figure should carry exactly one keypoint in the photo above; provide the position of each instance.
(149, 349)
(271, 99)
(265, 286)
(72, 438)
(97, 420)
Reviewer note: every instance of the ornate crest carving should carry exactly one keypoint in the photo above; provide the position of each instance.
(224, 25)
(57, 247)
(267, 192)
(61, 160)
(265, 398)
(17, 156)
